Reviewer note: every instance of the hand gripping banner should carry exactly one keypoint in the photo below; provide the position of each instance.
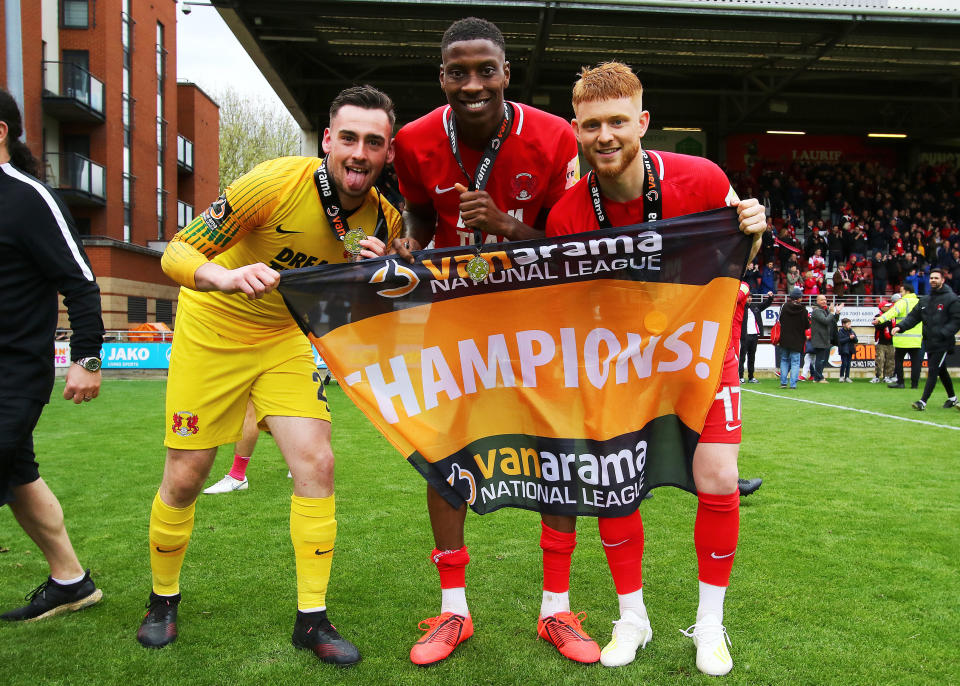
(571, 380)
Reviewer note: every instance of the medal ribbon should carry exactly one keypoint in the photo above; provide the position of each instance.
(652, 197)
(481, 176)
(331, 206)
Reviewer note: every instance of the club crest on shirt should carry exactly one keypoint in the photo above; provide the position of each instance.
(185, 423)
(523, 185)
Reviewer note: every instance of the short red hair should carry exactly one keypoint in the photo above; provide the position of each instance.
(606, 81)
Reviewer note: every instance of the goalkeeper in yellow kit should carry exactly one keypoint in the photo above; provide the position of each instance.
(235, 340)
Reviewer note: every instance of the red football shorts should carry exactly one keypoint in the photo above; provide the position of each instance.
(723, 419)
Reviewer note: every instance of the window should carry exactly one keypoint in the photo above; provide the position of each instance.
(75, 74)
(184, 214)
(83, 225)
(126, 32)
(161, 213)
(165, 312)
(136, 309)
(75, 14)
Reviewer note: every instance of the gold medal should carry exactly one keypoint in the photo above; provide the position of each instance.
(351, 242)
(478, 269)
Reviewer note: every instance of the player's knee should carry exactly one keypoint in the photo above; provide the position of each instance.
(725, 479)
(318, 464)
(186, 470)
(180, 493)
(717, 473)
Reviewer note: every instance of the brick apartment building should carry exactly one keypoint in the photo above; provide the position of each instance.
(131, 151)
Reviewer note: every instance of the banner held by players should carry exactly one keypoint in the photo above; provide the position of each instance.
(571, 380)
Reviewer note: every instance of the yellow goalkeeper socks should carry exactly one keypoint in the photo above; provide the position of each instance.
(313, 530)
(170, 529)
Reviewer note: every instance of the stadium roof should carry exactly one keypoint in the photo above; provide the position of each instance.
(846, 66)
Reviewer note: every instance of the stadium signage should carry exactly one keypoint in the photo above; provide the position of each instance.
(136, 355)
(568, 387)
(746, 150)
(61, 354)
(858, 316)
(817, 155)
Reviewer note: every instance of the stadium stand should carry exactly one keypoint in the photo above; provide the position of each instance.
(883, 226)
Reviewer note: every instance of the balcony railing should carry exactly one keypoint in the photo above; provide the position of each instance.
(81, 181)
(184, 153)
(71, 93)
(184, 214)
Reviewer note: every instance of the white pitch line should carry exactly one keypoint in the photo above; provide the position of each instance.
(852, 409)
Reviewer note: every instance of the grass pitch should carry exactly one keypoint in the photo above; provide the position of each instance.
(846, 571)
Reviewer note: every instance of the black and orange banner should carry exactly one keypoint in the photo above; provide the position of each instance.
(571, 381)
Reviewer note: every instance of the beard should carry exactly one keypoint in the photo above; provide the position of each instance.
(628, 153)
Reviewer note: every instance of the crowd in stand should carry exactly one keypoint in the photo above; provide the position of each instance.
(855, 228)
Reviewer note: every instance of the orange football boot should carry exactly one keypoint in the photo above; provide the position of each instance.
(563, 630)
(443, 634)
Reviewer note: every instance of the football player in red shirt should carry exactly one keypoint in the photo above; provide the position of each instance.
(610, 123)
(481, 170)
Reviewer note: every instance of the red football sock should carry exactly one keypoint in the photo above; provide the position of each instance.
(557, 551)
(622, 539)
(239, 469)
(715, 536)
(452, 565)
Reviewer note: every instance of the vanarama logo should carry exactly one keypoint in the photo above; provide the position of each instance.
(456, 474)
(639, 251)
(398, 272)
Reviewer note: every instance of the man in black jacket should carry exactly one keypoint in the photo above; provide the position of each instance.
(940, 313)
(750, 329)
(794, 321)
(40, 255)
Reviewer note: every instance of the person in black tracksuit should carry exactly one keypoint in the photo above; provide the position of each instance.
(940, 313)
(750, 329)
(846, 346)
(40, 255)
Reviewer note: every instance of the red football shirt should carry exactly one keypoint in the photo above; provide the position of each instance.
(536, 164)
(688, 185)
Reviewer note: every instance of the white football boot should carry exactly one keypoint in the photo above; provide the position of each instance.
(227, 485)
(711, 640)
(630, 632)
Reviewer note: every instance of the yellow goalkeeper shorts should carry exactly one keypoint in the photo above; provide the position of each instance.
(212, 376)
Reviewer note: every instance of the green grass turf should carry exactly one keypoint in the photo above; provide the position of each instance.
(846, 571)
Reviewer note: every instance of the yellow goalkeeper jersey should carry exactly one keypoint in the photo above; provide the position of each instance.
(274, 215)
